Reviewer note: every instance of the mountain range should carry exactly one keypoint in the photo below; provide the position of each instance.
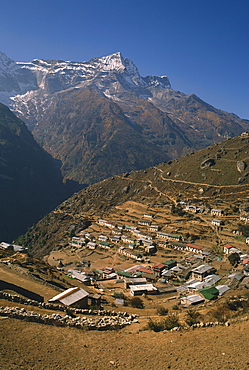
(101, 118)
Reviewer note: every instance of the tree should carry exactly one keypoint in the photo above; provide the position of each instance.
(234, 259)
(244, 229)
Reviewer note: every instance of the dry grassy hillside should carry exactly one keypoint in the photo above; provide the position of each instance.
(33, 346)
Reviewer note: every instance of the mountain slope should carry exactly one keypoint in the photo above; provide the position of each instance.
(94, 139)
(214, 174)
(202, 123)
(31, 185)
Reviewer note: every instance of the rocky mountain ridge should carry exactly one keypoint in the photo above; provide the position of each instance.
(158, 123)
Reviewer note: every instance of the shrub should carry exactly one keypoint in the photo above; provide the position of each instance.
(175, 307)
(220, 313)
(192, 317)
(162, 311)
(155, 325)
(136, 302)
(169, 323)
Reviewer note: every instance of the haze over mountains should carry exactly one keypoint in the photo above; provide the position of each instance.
(100, 117)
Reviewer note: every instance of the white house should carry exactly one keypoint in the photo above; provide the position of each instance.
(228, 249)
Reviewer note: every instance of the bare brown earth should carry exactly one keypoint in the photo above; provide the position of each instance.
(39, 347)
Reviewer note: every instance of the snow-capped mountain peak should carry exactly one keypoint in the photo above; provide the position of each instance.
(27, 87)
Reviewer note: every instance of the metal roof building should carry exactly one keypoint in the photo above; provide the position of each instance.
(76, 297)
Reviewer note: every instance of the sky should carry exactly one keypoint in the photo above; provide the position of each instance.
(201, 45)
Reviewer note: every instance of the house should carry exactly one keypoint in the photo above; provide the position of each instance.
(78, 242)
(190, 208)
(102, 222)
(73, 297)
(127, 239)
(209, 292)
(233, 280)
(150, 249)
(88, 236)
(158, 269)
(216, 222)
(216, 212)
(140, 234)
(144, 222)
(106, 223)
(176, 237)
(196, 286)
(169, 264)
(167, 236)
(149, 276)
(121, 274)
(194, 248)
(142, 289)
(208, 281)
(105, 245)
(130, 228)
(134, 281)
(244, 218)
(168, 289)
(154, 228)
(222, 289)
(176, 245)
(91, 245)
(129, 253)
(162, 235)
(7, 246)
(95, 300)
(192, 300)
(116, 232)
(103, 238)
(148, 215)
(211, 280)
(245, 261)
(147, 273)
(81, 276)
(229, 249)
(12, 247)
(115, 238)
(202, 271)
(167, 274)
(144, 242)
(132, 246)
(109, 273)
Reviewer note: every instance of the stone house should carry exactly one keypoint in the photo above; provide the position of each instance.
(202, 271)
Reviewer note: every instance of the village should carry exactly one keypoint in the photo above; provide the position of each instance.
(139, 258)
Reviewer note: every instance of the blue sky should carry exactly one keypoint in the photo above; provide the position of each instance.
(202, 46)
